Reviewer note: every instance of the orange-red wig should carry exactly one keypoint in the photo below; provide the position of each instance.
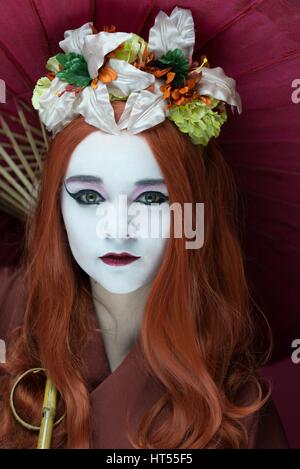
(197, 330)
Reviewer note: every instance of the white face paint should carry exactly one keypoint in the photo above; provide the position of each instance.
(129, 179)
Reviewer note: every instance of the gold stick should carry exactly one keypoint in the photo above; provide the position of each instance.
(49, 410)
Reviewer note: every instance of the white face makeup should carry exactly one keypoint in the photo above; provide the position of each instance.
(110, 177)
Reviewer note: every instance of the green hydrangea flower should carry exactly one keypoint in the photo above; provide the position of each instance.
(132, 49)
(198, 120)
(42, 85)
(75, 69)
(115, 97)
(53, 64)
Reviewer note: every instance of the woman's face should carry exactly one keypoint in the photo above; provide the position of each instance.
(114, 200)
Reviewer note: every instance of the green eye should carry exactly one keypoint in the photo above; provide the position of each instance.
(88, 197)
(152, 197)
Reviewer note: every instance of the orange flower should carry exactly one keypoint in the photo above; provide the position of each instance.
(145, 54)
(94, 83)
(184, 94)
(176, 94)
(160, 73)
(107, 74)
(166, 90)
(170, 77)
(206, 100)
(146, 59)
(108, 29)
(50, 75)
(112, 54)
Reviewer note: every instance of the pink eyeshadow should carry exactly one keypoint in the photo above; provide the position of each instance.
(74, 186)
(157, 187)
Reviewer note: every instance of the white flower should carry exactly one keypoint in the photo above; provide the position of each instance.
(129, 78)
(171, 32)
(93, 104)
(144, 109)
(96, 46)
(74, 38)
(96, 108)
(54, 111)
(215, 83)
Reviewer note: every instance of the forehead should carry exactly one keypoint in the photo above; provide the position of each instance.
(121, 156)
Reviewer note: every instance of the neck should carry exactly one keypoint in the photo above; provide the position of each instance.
(119, 314)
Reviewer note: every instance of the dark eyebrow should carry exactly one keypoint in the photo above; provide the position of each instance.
(87, 178)
(150, 182)
(82, 178)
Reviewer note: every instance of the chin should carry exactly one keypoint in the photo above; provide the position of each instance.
(120, 289)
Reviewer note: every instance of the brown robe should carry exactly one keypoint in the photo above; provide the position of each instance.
(128, 386)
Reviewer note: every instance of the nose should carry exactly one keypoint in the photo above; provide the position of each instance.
(115, 221)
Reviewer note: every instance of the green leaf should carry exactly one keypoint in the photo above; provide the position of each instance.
(175, 56)
(75, 69)
(178, 63)
(64, 58)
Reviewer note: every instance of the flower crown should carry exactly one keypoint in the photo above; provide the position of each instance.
(157, 79)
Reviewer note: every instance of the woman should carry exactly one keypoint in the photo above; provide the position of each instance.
(191, 380)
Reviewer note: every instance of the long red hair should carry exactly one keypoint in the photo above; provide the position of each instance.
(197, 331)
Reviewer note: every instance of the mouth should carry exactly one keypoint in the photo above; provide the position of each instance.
(116, 259)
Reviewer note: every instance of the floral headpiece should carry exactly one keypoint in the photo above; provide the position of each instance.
(157, 79)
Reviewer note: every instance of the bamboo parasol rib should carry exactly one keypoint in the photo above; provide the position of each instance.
(21, 161)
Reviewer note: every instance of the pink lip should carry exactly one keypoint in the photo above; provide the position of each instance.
(113, 258)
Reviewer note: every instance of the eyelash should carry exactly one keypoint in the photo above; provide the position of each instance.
(77, 197)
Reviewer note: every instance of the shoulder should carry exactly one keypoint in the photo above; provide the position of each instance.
(12, 295)
(267, 430)
(264, 427)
